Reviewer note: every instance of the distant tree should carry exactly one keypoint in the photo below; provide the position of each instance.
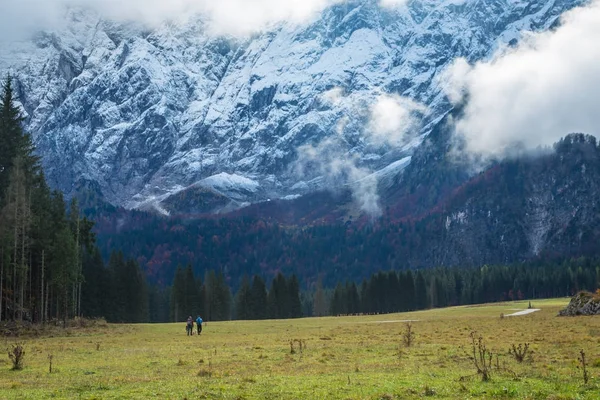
(420, 291)
(178, 296)
(278, 299)
(320, 307)
(352, 298)
(258, 299)
(11, 134)
(243, 300)
(293, 287)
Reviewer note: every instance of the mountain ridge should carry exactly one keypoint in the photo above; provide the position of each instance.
(144, 113)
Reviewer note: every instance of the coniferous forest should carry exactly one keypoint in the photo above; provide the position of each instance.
(52, 269)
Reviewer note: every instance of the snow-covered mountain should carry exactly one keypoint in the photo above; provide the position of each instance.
(145, 113)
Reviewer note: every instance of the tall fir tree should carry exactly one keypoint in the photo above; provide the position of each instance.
(295, 304)
(243, 300)
(258, 298)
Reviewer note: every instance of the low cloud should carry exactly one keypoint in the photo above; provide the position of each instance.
(339, 168)
(392, 3)
(230, 17)
(392, 119)
(224, 17)
(385, 121)
(533, 94)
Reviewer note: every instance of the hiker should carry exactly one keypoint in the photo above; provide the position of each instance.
(190, 326)
(199, 324)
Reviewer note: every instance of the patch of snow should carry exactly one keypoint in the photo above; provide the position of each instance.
(226, 183)
(523, 312)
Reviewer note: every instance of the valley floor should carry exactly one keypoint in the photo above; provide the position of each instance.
(356, 357)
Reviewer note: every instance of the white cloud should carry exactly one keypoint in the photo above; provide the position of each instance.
(338, 168)
(392, 119)
(235, 17)
(536, 93)
(392, 3)
(385, 120)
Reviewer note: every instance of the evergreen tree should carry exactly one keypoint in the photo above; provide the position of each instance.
(278, 299)
(319, 303)
(338, 301)
(295, 310)
(352, 298)
(420, 291)
(258, 299)
(243, 301)
(178, 297)
(11, 135)
(96, 285)
(191, 300)
(63, 262)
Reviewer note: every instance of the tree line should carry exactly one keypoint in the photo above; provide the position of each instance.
(212, 297)
(41, 244)
(398, 291)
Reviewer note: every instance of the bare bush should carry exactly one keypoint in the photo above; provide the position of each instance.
(482, 357)
(583, 363)
(408, 336)
(16, 355)
(520, 352)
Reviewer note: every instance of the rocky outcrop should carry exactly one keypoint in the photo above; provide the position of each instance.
(583, 303)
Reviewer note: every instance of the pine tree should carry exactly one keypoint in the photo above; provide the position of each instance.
(243, 300)
(178, 296)
(420, 291)
(352, 298)
(258, 299)
(63, 269)
(293, 286)
(319, 303)
(11, 135)
(278, 299)
(191, 298)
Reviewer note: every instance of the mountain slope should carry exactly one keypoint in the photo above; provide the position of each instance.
(143, 114)
(521, 209)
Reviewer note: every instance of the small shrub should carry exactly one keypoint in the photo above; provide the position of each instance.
(583, 363)
(519, 352)
(204, 373)
(429, 391)
(482, 357)
(301, 345)
(408, 336)
(16, 355)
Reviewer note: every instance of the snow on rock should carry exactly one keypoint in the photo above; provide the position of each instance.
(145, 112)
(230, 184)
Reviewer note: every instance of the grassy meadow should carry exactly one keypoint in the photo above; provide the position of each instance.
(357, 357)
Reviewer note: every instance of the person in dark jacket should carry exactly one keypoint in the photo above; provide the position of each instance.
(199, 324)
(190, 326)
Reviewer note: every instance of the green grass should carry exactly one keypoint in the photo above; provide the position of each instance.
(346, 358)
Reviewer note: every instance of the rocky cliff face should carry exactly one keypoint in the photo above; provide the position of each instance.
(142, 114)
(533, 205)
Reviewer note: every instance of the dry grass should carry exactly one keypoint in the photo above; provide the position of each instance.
(343, 358)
